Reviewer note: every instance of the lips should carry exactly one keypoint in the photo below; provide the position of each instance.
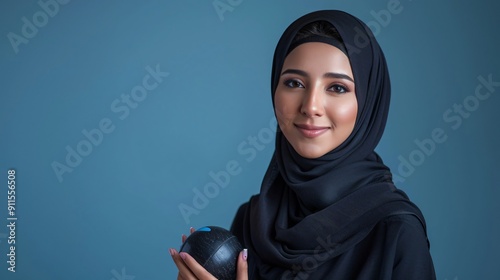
(311, 131)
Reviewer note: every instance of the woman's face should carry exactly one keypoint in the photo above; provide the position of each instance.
(315, 101)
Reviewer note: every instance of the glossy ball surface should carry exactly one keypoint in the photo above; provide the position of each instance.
(216, 249)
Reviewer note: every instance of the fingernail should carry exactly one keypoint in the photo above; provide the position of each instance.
(245, 254)
(171, 251)
(191, 229)
(183, 255)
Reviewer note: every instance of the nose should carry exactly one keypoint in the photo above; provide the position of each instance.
(312, 103)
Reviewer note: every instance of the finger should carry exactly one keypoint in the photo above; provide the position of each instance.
(184, 271)
(242, 266)
(199, 271)
(184, 237)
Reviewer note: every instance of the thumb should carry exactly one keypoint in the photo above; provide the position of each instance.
(242, 266)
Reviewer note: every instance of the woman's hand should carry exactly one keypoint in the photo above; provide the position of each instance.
(189, 269)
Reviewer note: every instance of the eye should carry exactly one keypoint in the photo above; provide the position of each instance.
(338, 88)
(293, 84)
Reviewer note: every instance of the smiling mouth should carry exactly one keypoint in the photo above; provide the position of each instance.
(311, 131)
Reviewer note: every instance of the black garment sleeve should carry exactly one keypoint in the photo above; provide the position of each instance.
(412, 259)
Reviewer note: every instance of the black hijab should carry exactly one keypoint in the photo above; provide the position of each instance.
(338, 197)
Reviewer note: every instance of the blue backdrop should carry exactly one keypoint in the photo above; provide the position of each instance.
(127, 122)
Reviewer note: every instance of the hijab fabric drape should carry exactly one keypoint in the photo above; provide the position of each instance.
(319, 208)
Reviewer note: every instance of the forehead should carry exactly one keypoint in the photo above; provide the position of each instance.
(318, 57)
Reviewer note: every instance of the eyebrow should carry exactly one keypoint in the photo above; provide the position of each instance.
(326, 75)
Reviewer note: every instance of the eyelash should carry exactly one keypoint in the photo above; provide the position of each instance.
(339, 88)
(343, 89)
(288, 83)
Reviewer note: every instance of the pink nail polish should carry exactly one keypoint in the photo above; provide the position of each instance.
(171, 251)
(245, 254)
(183, 255)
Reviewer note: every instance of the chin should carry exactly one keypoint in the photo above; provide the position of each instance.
(310, 153)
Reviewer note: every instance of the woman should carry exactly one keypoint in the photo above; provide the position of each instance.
(328, 208)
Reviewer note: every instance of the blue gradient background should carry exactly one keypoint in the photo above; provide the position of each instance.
(117, 213)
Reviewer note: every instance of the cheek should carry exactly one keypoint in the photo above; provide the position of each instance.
(344, 112)
(283, 107)
(282, 118)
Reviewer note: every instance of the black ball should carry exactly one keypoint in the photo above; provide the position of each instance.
(216, 249)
